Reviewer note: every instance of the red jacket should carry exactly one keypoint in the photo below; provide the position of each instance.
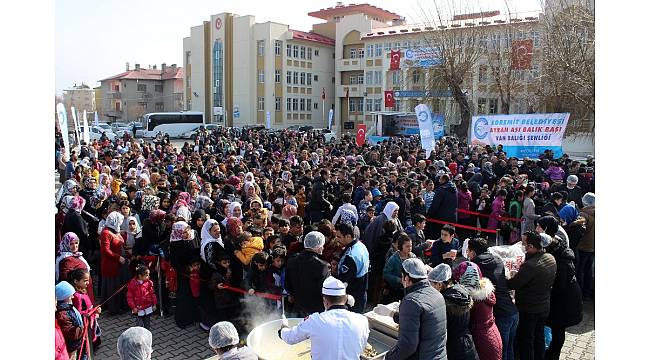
(60, 351)
(140, 296)
(111, 249)
(485, 333)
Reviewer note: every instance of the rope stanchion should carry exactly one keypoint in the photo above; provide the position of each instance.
(260, 294)
(456, 225)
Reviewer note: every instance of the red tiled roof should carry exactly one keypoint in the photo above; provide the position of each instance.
(149, 74)
(313, 37)
(353, 9)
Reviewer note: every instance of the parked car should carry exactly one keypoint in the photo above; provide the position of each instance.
(95, 133)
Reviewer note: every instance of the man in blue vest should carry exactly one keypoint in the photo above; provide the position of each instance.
(353, 266)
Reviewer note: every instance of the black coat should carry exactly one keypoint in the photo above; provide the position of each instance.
(492, 268)
(460, 344)
(533, 282)
(75, 223)
(444, 203)
(304, 280)
(566, 296)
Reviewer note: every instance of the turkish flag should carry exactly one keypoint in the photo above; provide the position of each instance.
(361, 135)
(394, 59)
(389, 99)
(522, 54)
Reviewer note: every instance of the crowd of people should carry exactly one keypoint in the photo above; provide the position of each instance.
(241, 213)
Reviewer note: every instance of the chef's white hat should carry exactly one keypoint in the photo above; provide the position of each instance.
(333, 287)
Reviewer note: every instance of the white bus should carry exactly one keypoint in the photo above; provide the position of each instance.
(171, 123)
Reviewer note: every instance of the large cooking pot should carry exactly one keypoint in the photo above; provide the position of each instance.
(266, 343)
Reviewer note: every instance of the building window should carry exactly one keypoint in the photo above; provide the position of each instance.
(308, 78)
(369, 103)
(295, 104)
(118, 106)
(295, 77)
(536, 39)
(260, 48)
(378, 50)
(260, 103)
(278, 76)
(352, 105)
(378, 104)
(295, 51)
(353, 53)
(482, 74)
(369, 77)
(309, 53)
(315, 105)
(378, 78)
(288, 104)
(395, 75)
(142, 87)
(360, 79)
(493, 106)
(288, 77)
(482, 106)
(288, 50)
(315, 77)
(361, 53)
(260, 76)
(160, 106)
(158, 88)
(278, 48)
(417, 76)
(315, 52)
(302, 78)
(353, 80)
(308, 104)
(278, 104)
(370, 50)
(302, 52)
(302, 104)
(534, 73)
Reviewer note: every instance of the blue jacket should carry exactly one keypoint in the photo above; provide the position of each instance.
(438, 248)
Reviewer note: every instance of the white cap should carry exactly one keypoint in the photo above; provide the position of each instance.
(314, 240)
(333, 287)
(223, 334)
(415, 268)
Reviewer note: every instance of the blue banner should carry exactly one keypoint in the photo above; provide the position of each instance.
(418, 93)
(427, 137)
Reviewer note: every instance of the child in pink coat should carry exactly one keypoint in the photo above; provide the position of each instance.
(141, 297)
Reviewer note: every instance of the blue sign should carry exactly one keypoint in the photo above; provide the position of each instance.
(417, 93)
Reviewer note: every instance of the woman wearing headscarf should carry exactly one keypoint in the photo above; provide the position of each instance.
(198, 219)
(212, 249)
(485, 333)
(233, 210)
(183, 199)
(152, 233)
(69, 258)
(64, 207)
(69, 187)
(181, 254)
(113, 262)
(74, 222)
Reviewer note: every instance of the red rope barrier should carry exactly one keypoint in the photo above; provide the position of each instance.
(500, 218)
(242, 291)
(461, 226)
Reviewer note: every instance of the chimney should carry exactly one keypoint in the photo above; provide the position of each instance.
(137, 66)
(154, 67)
(127, 66)
(163, 66)
(173, 67)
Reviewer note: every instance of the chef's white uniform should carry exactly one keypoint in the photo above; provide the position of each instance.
(335, 334)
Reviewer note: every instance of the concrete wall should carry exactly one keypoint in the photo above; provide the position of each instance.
(197, 72)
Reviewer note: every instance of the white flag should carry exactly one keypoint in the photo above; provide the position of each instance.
(86, 130)
(96, 118)
(63, 125)
(76, 124)
(425, 123)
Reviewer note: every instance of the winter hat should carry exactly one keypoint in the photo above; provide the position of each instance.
(572, 179)
(63, 290)
(376, 192)
(589, 199)
(462, 268)
(440, 273)
(415, 268)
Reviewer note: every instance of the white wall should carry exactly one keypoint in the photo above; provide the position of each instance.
(198, 76)
(244, 70)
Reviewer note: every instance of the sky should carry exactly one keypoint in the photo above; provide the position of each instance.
(95, 39)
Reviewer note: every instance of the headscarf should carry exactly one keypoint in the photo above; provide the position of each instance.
(182, 200)
(202, 202)
(178, 229)
(207, 238)
(77, 204)
(468, 274)
(90, 183)
(348, 217)
(131, 236)
(134, 344)
(231, 208)
(184, 212)
(231, 224)
(67, 203)
(390, 208)
(114, 221)
(288, 211)
(64, 252)
(150, 202)
(157, 216)
(66, 189)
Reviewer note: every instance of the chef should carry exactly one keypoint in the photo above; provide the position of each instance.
(335, 333)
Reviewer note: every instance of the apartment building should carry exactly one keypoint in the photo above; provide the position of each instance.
(240, 72)
(129, 95)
